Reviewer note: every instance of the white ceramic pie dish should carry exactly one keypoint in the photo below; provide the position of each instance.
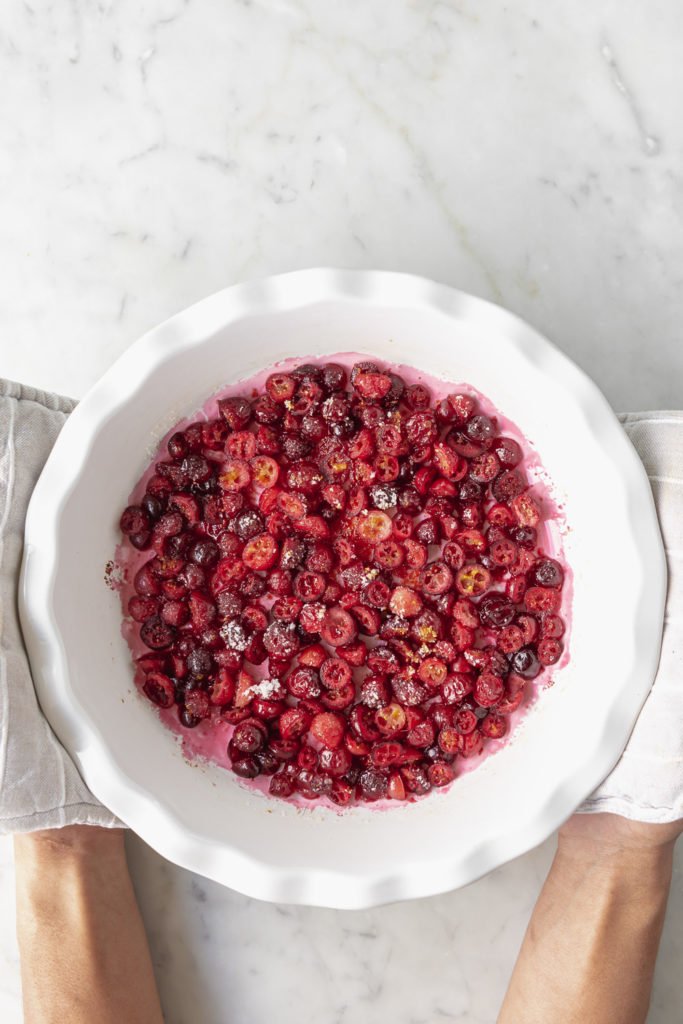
(199, 815)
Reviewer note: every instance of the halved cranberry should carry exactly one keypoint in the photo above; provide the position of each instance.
(339, 699)
(375, 692)
(421, 735)
(542, 599)
(416, 553)
(510, 639)
(222, 689)
(338, 627)
(436, 578)
(432, 672)
(457, 686)
(408, 690)
(526, 509)
(488, 689)
(549, 651)
(159, 688)
(309, 586)
(516, 588)
(473, 580)
(368, 619)
(155, 633)
(390, 719)
(464, 721)
(197, 703)
(440, 773)
(552, 627)
(405, 602)
(142, 608)
(334, 673)
(494, 725)
(261, 552)
(529, 627)
(328, 729)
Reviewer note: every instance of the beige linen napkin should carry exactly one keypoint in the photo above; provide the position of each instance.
(39, 784)
(647, 782)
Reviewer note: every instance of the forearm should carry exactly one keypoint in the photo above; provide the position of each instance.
(84, 952)
(590, 949)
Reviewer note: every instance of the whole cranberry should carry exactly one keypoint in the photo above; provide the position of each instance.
(525, 662)
(248, 524)
(547, 573)
(496, 610)
(205, 552)
(480, 428)
(333, 377)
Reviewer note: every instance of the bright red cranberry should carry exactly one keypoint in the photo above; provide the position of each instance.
(542, 599)
(549, 651)
(155, 633)
(338, 627)
(328, 729)
(526, 509)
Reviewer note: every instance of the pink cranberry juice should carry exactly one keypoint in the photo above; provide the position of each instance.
(344, 580)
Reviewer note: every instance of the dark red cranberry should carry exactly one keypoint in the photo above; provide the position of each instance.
(155, 633)
(524, 536)
(281, 640)
(525, 662)
(187, 718)
(248, 523)
(333, 377)
(235, 411)
(508, 451)
(134, 520)
(496, 611)
(246, 767)
(547, 573)
(205, 552)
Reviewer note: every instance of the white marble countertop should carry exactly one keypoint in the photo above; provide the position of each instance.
(153, 153)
